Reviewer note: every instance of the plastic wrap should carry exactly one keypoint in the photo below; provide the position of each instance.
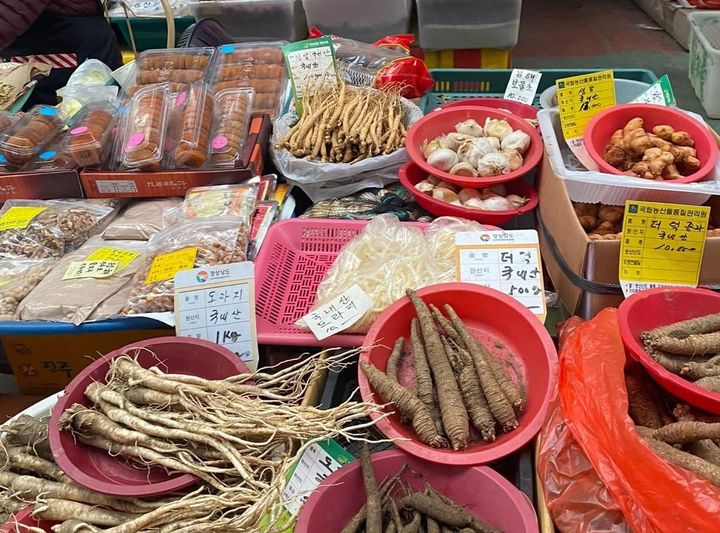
(177, 66)
(6, 120)
(38, 229)
(214, 241)
(73, 300)
(89, 138)
(53, 157)
(17, 279)
(145, 127)
(233, 108)
(192, 124)
(30, 134)
(646, 489)
(140, 220)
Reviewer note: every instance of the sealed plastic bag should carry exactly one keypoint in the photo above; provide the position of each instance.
(17, 279)
(653, 495)
(140, 220)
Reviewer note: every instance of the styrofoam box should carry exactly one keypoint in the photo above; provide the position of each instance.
(362, 20)
(704, 64)
(452, 24)
(254, 20)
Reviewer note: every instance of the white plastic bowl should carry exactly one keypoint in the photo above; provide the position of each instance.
(625, 91)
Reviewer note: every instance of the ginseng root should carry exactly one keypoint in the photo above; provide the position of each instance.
(61, 510)
(373, 504)
(394, 360)
(18, 459)
(31, 433)
(407, 405)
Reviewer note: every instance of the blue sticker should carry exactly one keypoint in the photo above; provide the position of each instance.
(2, 160)
(48, 111)
(227, 49)
(47, 155)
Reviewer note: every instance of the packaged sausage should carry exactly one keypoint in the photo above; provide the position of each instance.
(259, 65)
(176, 65)
(140, 220)
(82, 280)
(89, 138)
(17, 279)
(192, 125)
(145, 128)
(30, 134)
(233, 108)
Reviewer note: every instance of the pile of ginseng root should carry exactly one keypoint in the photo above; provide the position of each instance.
(690, 349)
(393, 507)
(678, 433)
(346, 124)
(239, 436)
(458, 382)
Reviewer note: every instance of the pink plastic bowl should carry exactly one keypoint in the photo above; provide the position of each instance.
(441, 122)
(605, 123)
(511, 106)
(482, 491)
(654, 308)
(23, 521)
(411, 174)
(507, 329)
(99, 471)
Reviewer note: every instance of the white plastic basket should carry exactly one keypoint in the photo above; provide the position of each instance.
(704, 63)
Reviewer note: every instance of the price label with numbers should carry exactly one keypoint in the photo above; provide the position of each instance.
(338, 314)
(662, 244)
(507, 261)
(522, 86)
(311, 64)
(165, 266)
(217, 304)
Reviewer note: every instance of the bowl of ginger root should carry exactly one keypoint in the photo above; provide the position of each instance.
(651, 142)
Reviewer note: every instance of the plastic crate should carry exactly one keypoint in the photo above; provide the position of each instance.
(704, 64)
(363, 20)
(452, 24)
(454, 84)
(149, 32)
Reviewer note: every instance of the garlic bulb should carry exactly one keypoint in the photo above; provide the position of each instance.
(493, 164)
(498, 189)
(470, 127)
(446, 195)
(464, 150)
(487, 144)
(499, 128)
(433, 179)
(456, 202)
(474, 203)
(467, 193)
(517, 140)
(454, 140)
(442, 159)
(463, 169)
(488, 193)
(446, 185)
(424, 186)
(516, 201)
(515, 160)
(475, 155)
(497, 203)
(428, 148)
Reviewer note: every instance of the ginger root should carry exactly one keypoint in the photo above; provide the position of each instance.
(587, 215)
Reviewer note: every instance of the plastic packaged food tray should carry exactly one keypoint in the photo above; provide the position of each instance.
(233, 108)
(29, 135)
(89, 138)
(177, 66)
(144, 128)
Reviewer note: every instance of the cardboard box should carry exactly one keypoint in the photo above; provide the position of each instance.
(585, 272)
(40, 185)
(114, 184)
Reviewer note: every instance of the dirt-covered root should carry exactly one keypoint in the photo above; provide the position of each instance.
(687, 431)
(74, 526)
(62, 510)
(707, 344)
(711, 383)
(31, 433)
(18, 458)
(646, 401)
(685, 328)
(701, 369)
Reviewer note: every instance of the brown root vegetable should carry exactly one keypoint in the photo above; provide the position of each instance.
(432, 525)
(685, 328)
(394, 360)
(711, 383)
(74, 526)
(373, 505)
(358, 520)
(706, 449)
(61, 510)
(701, 369)
(646, 402)
(688, 431)
(414, 525)
(423, 376)
(438, 509)
(670, 362)
(18, 459)
(445, 324)
(31, 433)
(704, 344)
(452, 410)
(407, 405)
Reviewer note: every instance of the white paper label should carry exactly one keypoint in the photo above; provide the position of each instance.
(116, 186)
(217, 304)
(507, 261)
(522, 86)
(577, 145)
(338, 314)
(314, 466)
(654, 95)
(311, 68)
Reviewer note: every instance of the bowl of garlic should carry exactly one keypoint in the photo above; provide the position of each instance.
(495, 204)
(472, 146)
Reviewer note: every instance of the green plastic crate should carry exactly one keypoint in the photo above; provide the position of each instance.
(457, 83)
(149, 33)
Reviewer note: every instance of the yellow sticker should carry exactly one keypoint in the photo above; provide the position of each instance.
(122, 257)
(19, 217)
(91, 269)
(165, 266)
(662, 244)
(580, 98)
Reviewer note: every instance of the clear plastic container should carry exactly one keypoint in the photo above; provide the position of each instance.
(253, 20)
(192, 125)
(362, 20)
(233, 108)
(30, 135)
(260, 66)
(453, 24)
(89, 137)
(145, 128)
(705, 59)
(54, 157)
(177, 66)
(6, 120)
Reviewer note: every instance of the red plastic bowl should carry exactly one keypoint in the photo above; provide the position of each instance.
(99, 471)
(410, 174)
(481, 490)
(654, 308)
(496, 320)
(440, 122)
(511, 106)
(23, 521)
(604, 124)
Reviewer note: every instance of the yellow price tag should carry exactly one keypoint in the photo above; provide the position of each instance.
(19, 217)
(580, 98)
(662, 244)
(122, 257)
(91, 269)
(165, 266)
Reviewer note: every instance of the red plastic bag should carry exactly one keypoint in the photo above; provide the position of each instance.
(654, 496)
(705, 4)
